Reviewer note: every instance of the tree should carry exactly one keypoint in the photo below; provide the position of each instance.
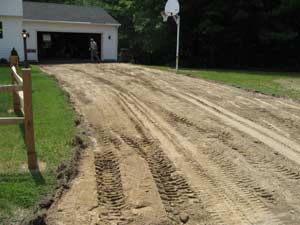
(215, 33)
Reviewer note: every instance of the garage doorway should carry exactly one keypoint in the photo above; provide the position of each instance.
(66, 46)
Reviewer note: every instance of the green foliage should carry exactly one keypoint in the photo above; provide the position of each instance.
(216, 33)
(54, 132)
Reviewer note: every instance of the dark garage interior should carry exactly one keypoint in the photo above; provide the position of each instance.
(66, 46)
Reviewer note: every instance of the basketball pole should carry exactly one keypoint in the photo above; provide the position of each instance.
(177, 19)
(172, 8)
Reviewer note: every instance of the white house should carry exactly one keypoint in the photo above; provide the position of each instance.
(56, 31)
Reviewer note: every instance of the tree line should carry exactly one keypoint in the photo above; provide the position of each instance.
(214, 33)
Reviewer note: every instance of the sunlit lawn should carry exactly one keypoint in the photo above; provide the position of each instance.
(271, 83)
(54, 132)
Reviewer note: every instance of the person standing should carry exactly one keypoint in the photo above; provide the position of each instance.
(94, 50)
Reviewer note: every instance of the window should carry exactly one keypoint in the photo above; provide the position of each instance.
(1, 30)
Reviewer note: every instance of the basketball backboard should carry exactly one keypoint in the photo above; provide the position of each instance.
(172, 8)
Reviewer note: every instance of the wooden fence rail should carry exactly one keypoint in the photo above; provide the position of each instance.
(21, 89)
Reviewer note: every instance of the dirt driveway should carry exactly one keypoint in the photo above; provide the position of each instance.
(170, 149)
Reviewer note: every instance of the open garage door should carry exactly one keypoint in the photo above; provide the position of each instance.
(66, 46)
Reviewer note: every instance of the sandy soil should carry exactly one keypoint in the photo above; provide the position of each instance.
(170, 149)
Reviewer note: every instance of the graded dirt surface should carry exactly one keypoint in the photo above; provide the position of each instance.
(170, 149)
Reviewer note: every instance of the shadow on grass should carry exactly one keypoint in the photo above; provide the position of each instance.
(21, 189)
(35, 174)
(22, 130)
(19, 178)
(37, 177)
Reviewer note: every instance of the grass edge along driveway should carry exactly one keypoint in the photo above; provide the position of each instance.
(280, 84)
(54, 132)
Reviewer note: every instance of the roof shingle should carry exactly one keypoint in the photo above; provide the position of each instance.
(67, 13)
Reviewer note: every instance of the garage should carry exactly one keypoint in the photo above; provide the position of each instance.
(57, 32)
(66, 46)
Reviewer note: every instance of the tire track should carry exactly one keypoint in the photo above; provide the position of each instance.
(280, 144)
(261, 160)
(288, 119)
(109, 183)
(175, 192)
(240, 185)
(248, 206)
(222, 198)
(110, 192)
(285, 146)
(220, 157)
(260, 163)
(141, 201)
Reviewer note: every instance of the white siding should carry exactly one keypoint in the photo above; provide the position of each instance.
(11, 8)
(109, 47)
(12, 28)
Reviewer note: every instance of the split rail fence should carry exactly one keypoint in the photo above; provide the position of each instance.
(21, 89)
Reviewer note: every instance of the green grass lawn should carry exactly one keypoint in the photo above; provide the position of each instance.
(54, 132)
(271, 83)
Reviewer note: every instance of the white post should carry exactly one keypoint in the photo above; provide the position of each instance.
(172, 9)
(178, 42)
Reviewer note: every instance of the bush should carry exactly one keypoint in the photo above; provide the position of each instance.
(3, 61)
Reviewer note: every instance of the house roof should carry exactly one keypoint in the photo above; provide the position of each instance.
(66, 13)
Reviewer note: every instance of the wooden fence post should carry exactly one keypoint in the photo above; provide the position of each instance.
(29, 129)
(16, 99)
